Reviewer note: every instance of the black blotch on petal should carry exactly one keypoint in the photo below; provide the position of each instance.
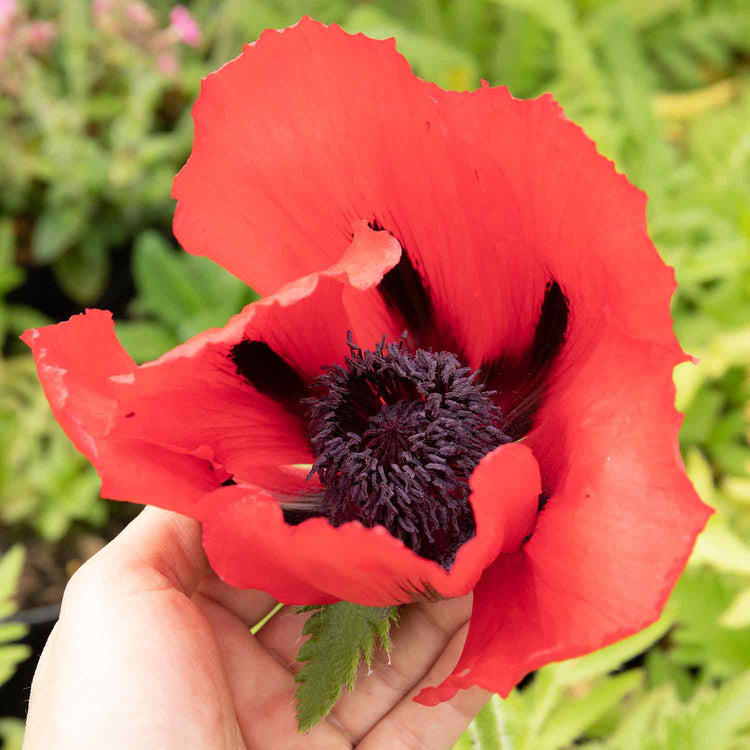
(270, 374)
(404, 292)
(543, 500)
(551, 328)
(296, 516)
(521, 384)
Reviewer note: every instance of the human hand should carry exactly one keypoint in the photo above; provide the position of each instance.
(152, 650)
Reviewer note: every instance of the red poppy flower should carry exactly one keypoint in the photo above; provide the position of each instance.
(365, 202)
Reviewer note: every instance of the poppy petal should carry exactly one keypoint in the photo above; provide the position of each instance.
(373, 142)
(515, 246)
(250, 546)
(142, 472)
(584, 230)
(281, 181)
(233, 395)
(76, 362)
(494, 200)
(171, 430)
(81, 366)
(614, 535)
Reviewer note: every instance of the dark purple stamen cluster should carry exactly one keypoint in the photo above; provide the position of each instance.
(396, 436)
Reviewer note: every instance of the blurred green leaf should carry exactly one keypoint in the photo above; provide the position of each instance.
(185, 293)
(719, 719)
(74, 27)
(11, 564)
(23, 317)
(164, 288)
(565, 700)
(56, 230)
(720, 548)
(701, 596)
(44, 481)
(738, 614)
(10, 274)
(83, 272)
(12, 732)
(432, 59)
(661, 670)
(576, 715)
(144, 340)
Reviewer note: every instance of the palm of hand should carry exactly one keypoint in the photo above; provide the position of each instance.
(153, 651)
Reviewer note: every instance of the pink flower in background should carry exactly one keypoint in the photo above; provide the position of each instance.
(8, 11)
(141, 15)
(136, 22)
(185, 26)
(40, 35)
(104, 16)
(168, 64)
(19, 37)
(101, 6)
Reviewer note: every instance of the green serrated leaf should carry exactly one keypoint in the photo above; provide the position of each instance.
(341, 635)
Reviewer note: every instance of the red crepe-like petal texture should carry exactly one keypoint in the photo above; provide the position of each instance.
(613, 537)
(491, 196)
(142, 472)
(370, 143)
(168, 432)
(81, 365)
(193, 400)
(76, 361)
(250, 546)
(275, 179)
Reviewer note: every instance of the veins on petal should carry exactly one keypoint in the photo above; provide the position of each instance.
(522, 384)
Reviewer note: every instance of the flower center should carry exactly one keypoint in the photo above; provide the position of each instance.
(396, 437)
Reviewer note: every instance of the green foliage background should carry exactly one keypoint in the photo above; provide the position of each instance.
(91, 143)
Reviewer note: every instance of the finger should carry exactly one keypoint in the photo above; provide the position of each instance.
(42, 691)
(421, 636)
(125, 619)
(249, 605)
(262, 689)
(159, 548)
(410, 725)
(282, 636)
